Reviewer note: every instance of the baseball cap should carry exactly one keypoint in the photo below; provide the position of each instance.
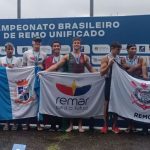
(37, 39)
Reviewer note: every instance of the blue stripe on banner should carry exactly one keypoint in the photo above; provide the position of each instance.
(5, 100)
(37, 82)
(37, 90)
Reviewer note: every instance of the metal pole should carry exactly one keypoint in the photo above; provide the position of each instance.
(91, 8)
(18, 9)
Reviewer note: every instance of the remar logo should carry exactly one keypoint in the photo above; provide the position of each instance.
(73, 89)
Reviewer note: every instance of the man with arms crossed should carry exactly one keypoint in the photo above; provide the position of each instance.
(136, 66)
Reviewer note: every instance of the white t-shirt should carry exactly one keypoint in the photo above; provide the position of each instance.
(56, 60)
(32, 58)
(16, 62)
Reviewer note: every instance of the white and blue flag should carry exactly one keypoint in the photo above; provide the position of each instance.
(17, 96)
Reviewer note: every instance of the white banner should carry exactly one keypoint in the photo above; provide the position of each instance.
(129, 97)
(71, 95)
(17, 96)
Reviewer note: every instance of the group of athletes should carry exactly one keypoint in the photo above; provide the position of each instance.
(76, 62)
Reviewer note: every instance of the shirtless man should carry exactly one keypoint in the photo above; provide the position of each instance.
(106, 69)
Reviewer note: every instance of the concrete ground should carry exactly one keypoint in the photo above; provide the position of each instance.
(46, 140)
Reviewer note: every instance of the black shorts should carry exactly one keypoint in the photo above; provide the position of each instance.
(107, 88)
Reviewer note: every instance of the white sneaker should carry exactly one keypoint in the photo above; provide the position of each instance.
(14, 127)
(6, 127)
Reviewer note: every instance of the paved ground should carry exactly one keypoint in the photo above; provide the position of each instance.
(46, 140)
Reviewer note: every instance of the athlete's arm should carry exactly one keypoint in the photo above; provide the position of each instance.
(19, 63)
(137, 66)
(59, 64)
(42, 64)
(144, 70)
(124, 64)
(24, 60)
(88, 65)
(105, 65)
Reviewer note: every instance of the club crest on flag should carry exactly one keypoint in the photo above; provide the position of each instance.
(73, 89)
(141, 95)
(23, 92)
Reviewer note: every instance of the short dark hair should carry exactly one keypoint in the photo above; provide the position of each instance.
(76, 39)
(51, 44)
(130, 45)
(115, 45)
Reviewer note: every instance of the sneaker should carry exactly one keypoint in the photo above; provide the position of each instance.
(53, 129)
(25, 127)
(39, 128)
(104, 130)
(116, 130)
(6, 127)
(14, 127)
(60, 130)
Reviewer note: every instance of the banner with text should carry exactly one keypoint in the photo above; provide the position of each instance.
(130, 97)
(96, 34)
(71, 95)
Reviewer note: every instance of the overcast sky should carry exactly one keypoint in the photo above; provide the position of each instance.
(73, 8)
